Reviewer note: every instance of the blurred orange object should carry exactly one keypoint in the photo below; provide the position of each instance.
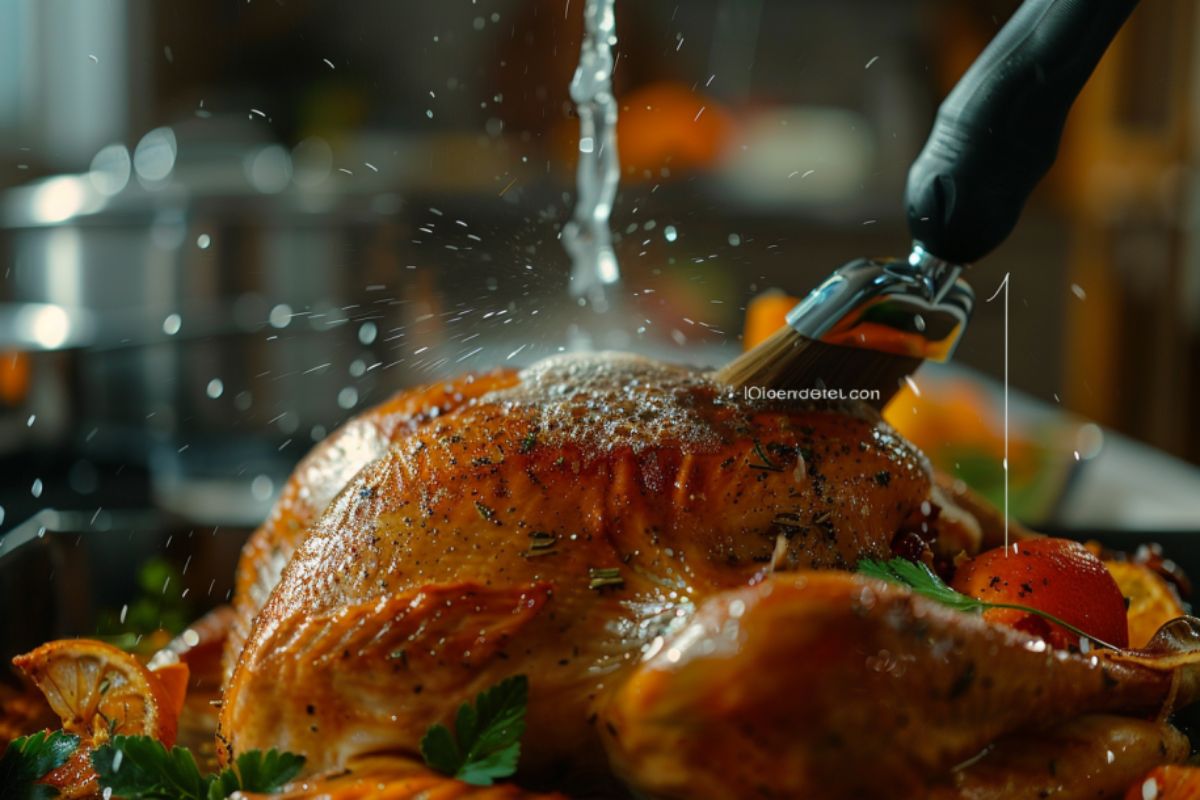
(661, 125)
(14, 377)
(667, 124)
(1170, 782)
(766, 314)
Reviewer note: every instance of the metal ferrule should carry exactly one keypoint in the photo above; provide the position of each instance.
(917, 307)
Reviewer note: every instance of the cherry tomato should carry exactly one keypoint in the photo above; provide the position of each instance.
(1057, 576)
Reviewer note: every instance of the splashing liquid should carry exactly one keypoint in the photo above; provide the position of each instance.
(595, 274)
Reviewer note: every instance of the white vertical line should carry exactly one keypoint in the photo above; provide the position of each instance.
(1005, 288)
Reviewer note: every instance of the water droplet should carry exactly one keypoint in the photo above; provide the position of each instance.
(348, 397)
(280, 316)
(367, 332)
(261, 487)
(215, 388)
(172, 324)
(154, 156)
(269, 169)
(734, 240)
(203, 241)
(32, 419)
(670, 234)
(287, 422)
(110, 169)
(36, 489)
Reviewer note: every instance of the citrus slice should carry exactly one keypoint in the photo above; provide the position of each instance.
(1152, 601)
(99, 690)
(174, 680)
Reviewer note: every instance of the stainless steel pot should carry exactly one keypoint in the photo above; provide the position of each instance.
(212, 309)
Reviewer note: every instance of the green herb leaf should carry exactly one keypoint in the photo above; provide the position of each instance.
(486, 742)
(141, 768)
(440, 750)
(266, 772)
(31, 758)
(923, 581)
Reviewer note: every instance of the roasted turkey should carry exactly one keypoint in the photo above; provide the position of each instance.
(670, 564)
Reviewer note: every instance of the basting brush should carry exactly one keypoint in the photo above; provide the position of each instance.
(873, 322)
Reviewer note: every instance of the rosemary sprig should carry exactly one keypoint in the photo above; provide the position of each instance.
(923, 581)
(602, 577)
(767, 464)
(541, 543)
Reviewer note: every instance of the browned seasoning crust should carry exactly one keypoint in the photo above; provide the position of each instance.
(322, 474)
(574, 523)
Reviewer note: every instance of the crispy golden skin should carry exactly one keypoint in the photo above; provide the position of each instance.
(1096, 755)
(576, 523)
(322, 474)
(830, 685)
(429, 577)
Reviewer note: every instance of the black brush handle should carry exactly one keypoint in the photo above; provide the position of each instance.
(998, 132)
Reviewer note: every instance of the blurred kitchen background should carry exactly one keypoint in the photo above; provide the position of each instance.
(228, 225)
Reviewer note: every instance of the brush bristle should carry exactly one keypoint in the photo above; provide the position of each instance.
(790, 361)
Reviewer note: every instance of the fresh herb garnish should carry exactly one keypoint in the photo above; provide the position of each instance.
(541, 543)
(141, 768)
(603, 577)
(31, 758)
(767, 464)
(160, 605)
(486, 741)
(923, 581)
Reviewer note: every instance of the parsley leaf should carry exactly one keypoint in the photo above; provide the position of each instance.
(923, 581)
(31, 758)
(486, 741)
(141, 768)
(265, 772)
